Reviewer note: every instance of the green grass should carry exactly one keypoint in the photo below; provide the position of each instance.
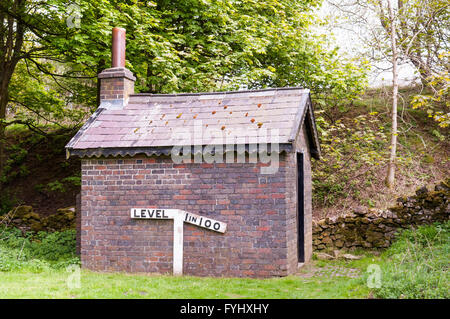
(34, 266)
(52, 284)
(415, 266)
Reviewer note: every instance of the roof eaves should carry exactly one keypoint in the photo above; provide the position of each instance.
(304, 109)
(299, 117)
(167, 150)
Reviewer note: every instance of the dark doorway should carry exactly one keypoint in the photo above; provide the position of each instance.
(300, 209)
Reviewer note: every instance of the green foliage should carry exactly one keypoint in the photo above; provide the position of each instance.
(417, 264)
(349, 151)
(56, 186)
(334, 79)
(194, 45)
(7, 202)
(54, 246)
(59, 186)
(36, 252)
(37, 97)
(436, 103)
(17, 155)
(74, 180)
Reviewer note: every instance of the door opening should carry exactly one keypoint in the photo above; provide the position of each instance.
(300, 209)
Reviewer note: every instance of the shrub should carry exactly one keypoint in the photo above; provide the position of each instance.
(54, 246)
(36, 252)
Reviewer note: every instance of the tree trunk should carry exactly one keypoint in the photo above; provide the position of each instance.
(3, 104)
(13, 31)
(390, 179)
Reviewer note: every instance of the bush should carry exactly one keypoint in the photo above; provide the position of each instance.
(7, 202)
(36, 252)
(417, 264)
(54, 246)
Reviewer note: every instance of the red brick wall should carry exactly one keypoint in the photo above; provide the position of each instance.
(258, 209)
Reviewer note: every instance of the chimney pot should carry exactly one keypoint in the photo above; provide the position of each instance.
(118, 48)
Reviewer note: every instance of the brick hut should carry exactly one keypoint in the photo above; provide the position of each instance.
(229, 170)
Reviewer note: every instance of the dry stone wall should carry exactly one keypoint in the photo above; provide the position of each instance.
(370, 228)
(24, 218)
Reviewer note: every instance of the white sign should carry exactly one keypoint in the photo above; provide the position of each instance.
(178, 217)
(154, 213)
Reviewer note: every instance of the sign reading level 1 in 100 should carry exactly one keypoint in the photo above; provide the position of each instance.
(157, 213)
(179, 218)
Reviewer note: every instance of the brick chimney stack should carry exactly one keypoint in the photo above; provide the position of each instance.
(116, 83)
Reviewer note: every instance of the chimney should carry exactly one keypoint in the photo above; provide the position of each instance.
(116, 83)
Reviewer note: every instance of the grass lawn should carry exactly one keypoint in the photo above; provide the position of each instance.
(320, 279)
(415, 266)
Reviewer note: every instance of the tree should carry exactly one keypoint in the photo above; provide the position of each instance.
(405, 31)
(423, 33)
(422, 36)
(31, 66)
(24, 30)
(393, 146)
(418, 33)
(183, 46)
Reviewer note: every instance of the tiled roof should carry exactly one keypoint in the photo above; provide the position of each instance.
(164, 120)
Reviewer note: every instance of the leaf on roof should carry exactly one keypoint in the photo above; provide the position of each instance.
(195, 116)
(246, 114)
(167, 122)
(231, 112)
(259, 105)
(179, 115)
(213, 112)
(225, 107)
(162, 116)
(150, 122)
(260, 124)
(206, 125)
(137, 129)
(252, 120)
(223, 127)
